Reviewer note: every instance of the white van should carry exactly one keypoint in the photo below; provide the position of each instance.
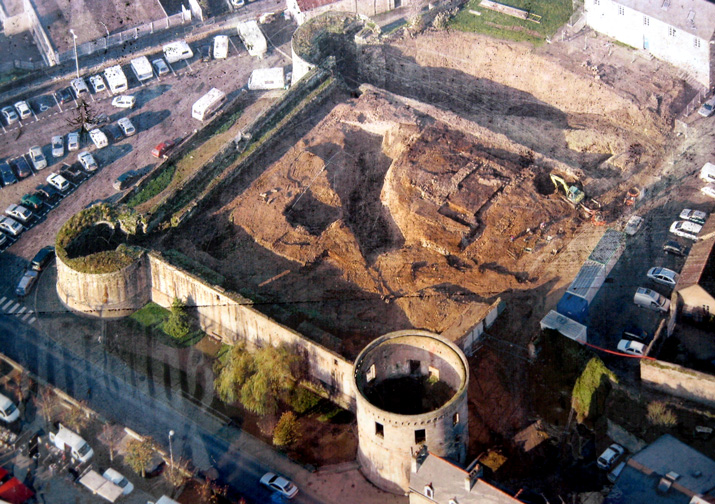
(8, 411)
(163, 500)
(707, 173)
(220, 47)
(648, 298)
(72, 443)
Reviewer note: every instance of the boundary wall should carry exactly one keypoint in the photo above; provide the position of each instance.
(679, 381)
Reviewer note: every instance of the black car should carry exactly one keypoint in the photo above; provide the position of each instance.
(113, 132)
(32, 201)
(7, 175)
(126, 179)
(22, 167)
(675, 248)
(48, 193)
(64, 95)
(43, 258)
(73, 173)
(635, 333)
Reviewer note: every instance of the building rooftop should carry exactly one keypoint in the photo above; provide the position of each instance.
(691, 16)
(699, 267)
(609, 244)
(306, 5)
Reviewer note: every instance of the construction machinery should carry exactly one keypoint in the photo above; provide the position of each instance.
(572, 194)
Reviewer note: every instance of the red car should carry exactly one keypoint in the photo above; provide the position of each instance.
(161, 149)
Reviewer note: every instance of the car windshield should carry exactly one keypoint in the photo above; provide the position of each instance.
(84, 449)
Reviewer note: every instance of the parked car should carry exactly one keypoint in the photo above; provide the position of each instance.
(58, 181)
(58, 146)
(22, 169)
(696, 216)
(633, 225)
(9, 114)
(221, 46)
(635, 333)
(37, 157)
(663, 276)
(73, 172)
(708, 108)
(648, 298)
(32, 201)
(97, 83)
(161, 149)
(72, 141)
(99, 138)
(43, 258)
(609, 457)
(685, 229)
(48, 193)
(64, 95)
(279, 484)
(87, 161)
(8, 411)
(205, 52)
(23, 109)
(116, 477)
(127, 127)
(616, 472)
(3, 239)
(19, 212)
(124, 101)
(708, 190)
(7, 175)
(79, 86)
(96, 121)
(114, 133)
(631, 347)
(24, 286)
(126, 179)
(160, 67)
(11, 226)
(675, 248)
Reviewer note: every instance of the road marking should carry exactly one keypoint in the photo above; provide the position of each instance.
(20, 311)
(15, 307)
(44, 107)
(32, 320)
(4, 308)
(3, 299)
(27, 315)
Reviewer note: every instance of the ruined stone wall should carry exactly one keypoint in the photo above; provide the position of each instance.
(679, 381)
(106, 295)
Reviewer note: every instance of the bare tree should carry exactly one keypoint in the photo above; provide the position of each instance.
(22, 383)
(76, 417)
(112, 435)
(47, 402)
(85, 117)
(210, 491)
(179, 472)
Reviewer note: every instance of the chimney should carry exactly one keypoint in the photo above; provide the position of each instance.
(418, 458)
(474, 472)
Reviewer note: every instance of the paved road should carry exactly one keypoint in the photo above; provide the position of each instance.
(121, 395)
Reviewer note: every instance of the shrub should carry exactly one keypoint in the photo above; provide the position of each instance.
(659, 414)
(139, 454)
(177, 325)
(287, 430)
(303, 400)
(590, 389)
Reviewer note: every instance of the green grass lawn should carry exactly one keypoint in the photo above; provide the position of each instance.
(152, 316)
(554, 13)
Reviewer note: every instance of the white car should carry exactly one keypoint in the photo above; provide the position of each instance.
(58, 181)
(708, 190)
(19, 212)
(11, 226)
(696, 216)
(279, 484)
(127, 126)
(9, 114)
(686, 229)
(609, 457)
(708, 108)
(116, 477)
(99, 138)
(8, 411)
(72, 141)
(663, 276)
(633, 225)
(160, 67)
(58, 146)
(23, 109)
(37, 158)
(87, 161)
(79, 86)
(631, 347)
(97, 83)
(124, 101)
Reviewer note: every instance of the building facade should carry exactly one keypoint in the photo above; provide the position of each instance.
(680, 32)
(303, 10)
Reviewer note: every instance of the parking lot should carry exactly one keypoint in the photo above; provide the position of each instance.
(162, 112)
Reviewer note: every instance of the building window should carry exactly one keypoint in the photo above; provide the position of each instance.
(455, 419)
(621, 11)
(671, 31)
(370, 373)
(414, 366)
(646, 21)
(429, 491)
(379, 430)
(696, 42)
(433, 373)
(420, 436)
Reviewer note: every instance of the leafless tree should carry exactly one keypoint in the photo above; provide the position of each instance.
(76, 417)
(179, 473)
(47, 402)
(112, 435)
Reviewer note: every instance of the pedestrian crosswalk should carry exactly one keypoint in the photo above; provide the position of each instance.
(12, 307)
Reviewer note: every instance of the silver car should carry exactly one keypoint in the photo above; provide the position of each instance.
(9, 114)
(58, 146)
(23, 109)
(87, 161)
(11, 226)
(37, 157)
(663, 276)
(72, 141)
(127, 126)
(97, 83)
(708, 108)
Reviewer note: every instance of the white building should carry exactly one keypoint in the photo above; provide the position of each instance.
(680, 32)
(303, 10)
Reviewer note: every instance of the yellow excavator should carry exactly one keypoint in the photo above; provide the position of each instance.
(572, 194)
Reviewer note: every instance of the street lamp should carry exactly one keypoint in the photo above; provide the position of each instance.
(171, 451)
(76, 60)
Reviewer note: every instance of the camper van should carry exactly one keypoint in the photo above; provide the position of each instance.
(142, 68)
(116, 80)
(707, 173)
(177, 51)
(71, 443)
(208, 104)
(220, 47)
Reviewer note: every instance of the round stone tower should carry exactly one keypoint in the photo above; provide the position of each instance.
(411, 390)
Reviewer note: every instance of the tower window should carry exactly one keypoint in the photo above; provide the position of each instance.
(671, 31)
(420, 436)
(696, 42)
(429, 491)
(646, 21)
(379, 430)
(621, 11)
(455, 419)
(370, 373)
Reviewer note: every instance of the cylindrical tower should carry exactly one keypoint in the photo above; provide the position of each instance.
(411, 390)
